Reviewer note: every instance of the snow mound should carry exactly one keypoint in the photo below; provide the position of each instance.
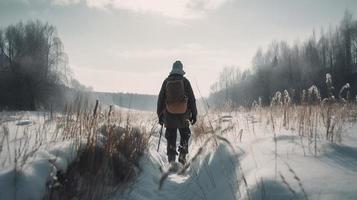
(29, 181)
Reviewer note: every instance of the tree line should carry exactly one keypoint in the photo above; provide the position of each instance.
(294, 68)
(127, 100)
(34, 74)
(33, 66)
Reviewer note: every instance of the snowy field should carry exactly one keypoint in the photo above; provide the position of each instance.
(251, 165)
(248, 155)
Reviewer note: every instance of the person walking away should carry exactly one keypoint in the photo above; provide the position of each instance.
(176, 109)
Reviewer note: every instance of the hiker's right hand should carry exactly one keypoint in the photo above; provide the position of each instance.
(193, 119)
(161, 119)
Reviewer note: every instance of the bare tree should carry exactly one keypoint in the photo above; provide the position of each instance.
(34, 65)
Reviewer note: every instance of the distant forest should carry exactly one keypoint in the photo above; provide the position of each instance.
(34, 74)
(127, 100)
(294, 68)
(33, 66)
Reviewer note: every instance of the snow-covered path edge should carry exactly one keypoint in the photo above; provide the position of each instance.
(214, 175)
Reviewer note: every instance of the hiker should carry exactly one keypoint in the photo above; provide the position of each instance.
(176, 108)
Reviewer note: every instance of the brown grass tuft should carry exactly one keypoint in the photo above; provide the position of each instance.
(108, 155)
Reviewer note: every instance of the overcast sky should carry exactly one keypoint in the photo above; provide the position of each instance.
(130, 45)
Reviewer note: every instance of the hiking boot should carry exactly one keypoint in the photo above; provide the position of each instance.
(182, 158)
(171, 158)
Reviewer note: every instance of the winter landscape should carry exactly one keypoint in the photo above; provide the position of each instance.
(270, 95)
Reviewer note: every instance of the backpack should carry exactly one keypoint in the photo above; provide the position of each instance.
(176, 100)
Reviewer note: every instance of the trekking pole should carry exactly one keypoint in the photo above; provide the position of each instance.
(158, 146)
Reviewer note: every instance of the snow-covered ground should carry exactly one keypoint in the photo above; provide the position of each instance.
(250, 168)
(247, 159)
(33, 148)
(31, 153)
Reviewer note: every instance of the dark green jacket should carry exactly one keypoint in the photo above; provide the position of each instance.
(177, 120)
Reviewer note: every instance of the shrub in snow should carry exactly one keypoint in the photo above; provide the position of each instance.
(345, 89)
(276, 100)
(313, 95)
(254, 104)
(100, 168)
(303, 97)
(79, 155)
(257, 104)
(286, 98)
(260, 101)
(329, 85)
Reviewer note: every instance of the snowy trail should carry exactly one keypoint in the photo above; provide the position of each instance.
(214, 175)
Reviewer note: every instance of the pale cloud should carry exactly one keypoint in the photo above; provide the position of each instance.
(195, 54)
(187, 50)
(205, 4)
(178, 9)
(65, 2)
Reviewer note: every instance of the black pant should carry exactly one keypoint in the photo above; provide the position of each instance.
(171, 135)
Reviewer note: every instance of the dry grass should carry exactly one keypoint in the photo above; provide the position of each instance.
(313, 123)
(314, 119)
(201, 129)
(108, 142)
(109, 148)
